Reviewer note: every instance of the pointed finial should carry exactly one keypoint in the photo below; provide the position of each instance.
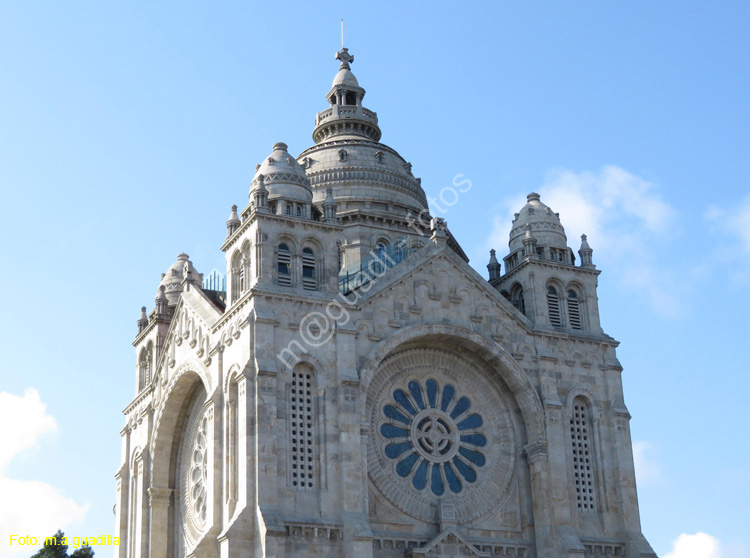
(142, 320)
(342, 32)
(494, 266)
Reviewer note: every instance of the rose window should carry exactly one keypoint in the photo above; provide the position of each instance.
(435, 438)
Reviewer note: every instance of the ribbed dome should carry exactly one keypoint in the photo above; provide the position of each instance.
(283, 176)
(363, 174)
(545, 225)
(172, 279)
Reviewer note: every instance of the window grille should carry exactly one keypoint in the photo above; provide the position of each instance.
(553, 304)
(308, 270)
(302, 430)
(574, 310)
(284, 266)
(583, 467)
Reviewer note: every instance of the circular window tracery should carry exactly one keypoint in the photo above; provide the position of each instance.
(441, 429)
(434, 436)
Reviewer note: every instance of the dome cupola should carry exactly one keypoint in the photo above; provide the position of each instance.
(537, 221)
(364, 174)
(346, 117)
(283, 177)
(172, 280)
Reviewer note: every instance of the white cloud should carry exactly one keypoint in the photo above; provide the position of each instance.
(733, 225)
(647, 470)
(28, 507)
(627, 224)
(700, 545)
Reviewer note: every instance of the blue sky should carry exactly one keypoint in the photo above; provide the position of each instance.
(129, 129)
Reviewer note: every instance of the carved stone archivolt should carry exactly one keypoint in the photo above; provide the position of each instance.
(193, 461)
(441, 431)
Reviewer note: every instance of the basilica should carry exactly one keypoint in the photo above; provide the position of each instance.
(355, 389)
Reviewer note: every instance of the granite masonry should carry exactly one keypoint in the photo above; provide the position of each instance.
(356, 389)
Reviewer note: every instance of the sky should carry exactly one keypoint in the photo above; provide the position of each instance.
(130, 128)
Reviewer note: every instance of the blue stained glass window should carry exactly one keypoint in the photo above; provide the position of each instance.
(403, 400)
(474, 439)
(461, 407)
(420, 446)
(432, 392)
(416, 393)
(474, 456)
(437, 480)
(474, 421)
(420, 477)
(394, 450)
(390, 431)
(466, 472)
(448, 392)
(453, 481)
(405, 466)
(391, 412)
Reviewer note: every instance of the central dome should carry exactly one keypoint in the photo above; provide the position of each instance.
(348, 157)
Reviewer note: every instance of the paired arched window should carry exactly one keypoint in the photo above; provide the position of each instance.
(553, 305)
(302, 423)
(240, 272)
(581, 439)
(574, 310)
(309, 276)
(284, 265)
(516, 297)
(144, 366)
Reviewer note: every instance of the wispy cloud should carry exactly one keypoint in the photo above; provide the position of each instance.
(732, 226)
(647, 469)
(627, 223)
(28, 507)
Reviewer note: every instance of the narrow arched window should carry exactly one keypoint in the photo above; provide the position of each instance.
(309, 280)
(284, 266)
(516, 298)
(142, 369)
(145, 360)
(236, 275)
(302, 421)
(553, 305)
(581, 439)
(574, 310)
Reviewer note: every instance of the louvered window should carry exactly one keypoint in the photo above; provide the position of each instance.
(583, 467)
(553, 304)
(284, 266)
(309, 280)
(302, 423)
(574, 310)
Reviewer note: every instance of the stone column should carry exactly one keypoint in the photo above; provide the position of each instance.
(357, 538)
(536, 455)
(159, 501)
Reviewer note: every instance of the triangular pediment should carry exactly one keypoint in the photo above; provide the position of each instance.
(432, 284)
(448, 544)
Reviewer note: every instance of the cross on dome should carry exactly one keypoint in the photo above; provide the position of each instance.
(345, 58)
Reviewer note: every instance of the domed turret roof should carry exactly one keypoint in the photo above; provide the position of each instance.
(283, 176)
(172, 279)
(541, 221)
(345, 77)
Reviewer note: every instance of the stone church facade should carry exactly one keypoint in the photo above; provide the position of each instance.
(358, 390)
